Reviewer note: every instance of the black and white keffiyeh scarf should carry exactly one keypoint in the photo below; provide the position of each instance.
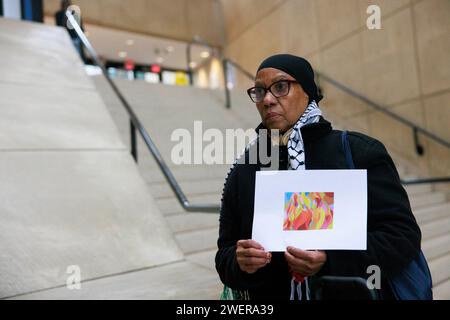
(294, 141)
(296, 153)
(295, 144)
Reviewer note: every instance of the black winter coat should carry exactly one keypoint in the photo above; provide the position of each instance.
(393, 236)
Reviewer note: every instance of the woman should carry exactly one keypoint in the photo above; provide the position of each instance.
(286, 97)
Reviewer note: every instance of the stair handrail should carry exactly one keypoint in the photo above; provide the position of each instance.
(135, 124)
(198, 40)
(366, 100)
(416, 129)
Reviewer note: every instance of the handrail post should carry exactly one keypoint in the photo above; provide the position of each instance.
(419, 148)
(225, 79)
(188, 58)
(134, 151)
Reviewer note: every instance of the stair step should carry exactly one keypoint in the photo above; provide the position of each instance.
(414, 189)
(205, 258)
(196, 241)
(427, 199)
(177, 281)
(435, 228)
(436, 247)
(185, 222)
(185, 172)
(440, 270)
(424, 215)
(442, 291)
(162, 190)
(171, 206)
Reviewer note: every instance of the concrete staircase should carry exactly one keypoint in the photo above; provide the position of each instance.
(163, 109)
(431, 209)
(71, 192)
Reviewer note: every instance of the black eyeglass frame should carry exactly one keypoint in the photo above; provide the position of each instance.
(269, 89)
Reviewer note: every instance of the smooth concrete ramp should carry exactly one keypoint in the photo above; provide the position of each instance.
(70, 192)
(188, 281)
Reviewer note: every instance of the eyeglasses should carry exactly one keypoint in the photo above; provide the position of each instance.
(278, 89)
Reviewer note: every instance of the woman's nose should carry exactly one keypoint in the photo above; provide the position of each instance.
(269, 99)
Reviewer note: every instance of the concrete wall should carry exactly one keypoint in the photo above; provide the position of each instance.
(405, 66)
(175, 19)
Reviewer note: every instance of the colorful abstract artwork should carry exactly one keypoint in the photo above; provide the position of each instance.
(308, 211)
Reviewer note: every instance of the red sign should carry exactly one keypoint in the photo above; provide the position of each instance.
(129, 65)
(155, 68)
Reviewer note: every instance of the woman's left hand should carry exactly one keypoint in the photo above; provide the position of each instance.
(306, 263)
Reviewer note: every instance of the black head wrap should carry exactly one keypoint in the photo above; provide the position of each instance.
(297, 67)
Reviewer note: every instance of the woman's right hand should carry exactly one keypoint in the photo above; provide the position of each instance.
(251, 256)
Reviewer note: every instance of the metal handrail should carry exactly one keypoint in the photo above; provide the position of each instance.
(391, 114)
(135, 124)
(423, 181)
(416, 129)
(372, 104)
(241, 69)
(198, 40)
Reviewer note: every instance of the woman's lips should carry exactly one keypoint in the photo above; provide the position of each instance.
(272, 116)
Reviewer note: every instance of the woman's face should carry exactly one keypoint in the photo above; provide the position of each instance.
(280, 113)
